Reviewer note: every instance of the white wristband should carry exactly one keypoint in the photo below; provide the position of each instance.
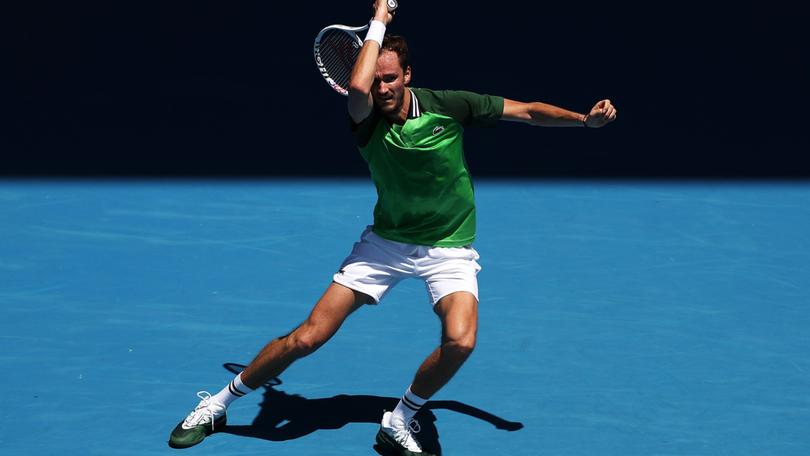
(376, 32)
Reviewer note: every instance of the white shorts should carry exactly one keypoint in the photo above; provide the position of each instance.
(377, 264)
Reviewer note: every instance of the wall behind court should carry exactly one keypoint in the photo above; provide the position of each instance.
(194, 88)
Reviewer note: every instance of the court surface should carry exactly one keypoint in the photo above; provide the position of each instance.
(617, 318)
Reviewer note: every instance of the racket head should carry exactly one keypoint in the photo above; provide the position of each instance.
(336, 49)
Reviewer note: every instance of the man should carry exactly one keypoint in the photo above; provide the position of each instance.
(424, 225)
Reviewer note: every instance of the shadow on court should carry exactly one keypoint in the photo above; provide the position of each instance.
(290, 416)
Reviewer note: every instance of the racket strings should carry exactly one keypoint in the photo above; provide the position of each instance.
(339, 51)
(338, 63)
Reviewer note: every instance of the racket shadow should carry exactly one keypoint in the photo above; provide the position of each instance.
(286, 416)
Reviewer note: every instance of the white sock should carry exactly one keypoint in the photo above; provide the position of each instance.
(232, 392)
(407, 407)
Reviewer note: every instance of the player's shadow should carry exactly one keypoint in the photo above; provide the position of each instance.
(290, 416)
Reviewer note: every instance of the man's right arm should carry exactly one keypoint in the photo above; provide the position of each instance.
(362, 79)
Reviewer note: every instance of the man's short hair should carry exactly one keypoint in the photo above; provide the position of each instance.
(396, 43)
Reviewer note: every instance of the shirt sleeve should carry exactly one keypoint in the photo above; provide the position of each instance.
(472, 109)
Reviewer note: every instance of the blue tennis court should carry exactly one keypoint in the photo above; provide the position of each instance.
(617, 318)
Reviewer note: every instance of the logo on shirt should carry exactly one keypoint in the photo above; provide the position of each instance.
(437, 130)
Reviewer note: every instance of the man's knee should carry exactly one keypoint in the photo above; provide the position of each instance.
(459, 324)
(460, 347)
(306, 339)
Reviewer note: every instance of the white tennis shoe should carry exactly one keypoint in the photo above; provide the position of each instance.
(204, 420)
(400, 432)
(206, 412)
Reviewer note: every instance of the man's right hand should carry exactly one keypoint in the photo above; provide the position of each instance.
(381, 12)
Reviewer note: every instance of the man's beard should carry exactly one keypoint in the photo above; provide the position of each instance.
(391, 105)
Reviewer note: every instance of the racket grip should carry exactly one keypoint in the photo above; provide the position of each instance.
(392, 5)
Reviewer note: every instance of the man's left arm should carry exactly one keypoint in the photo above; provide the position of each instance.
(546, 115)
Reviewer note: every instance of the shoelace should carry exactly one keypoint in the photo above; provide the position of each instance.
(404, 435)
(202, 410)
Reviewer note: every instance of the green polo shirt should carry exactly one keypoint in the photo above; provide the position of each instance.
(424, 190)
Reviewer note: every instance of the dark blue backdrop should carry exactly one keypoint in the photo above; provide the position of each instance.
(230, 88)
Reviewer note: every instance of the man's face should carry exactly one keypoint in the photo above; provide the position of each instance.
(390, 80)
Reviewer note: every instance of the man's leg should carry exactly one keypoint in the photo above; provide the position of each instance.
(459, 316)
(329, 313)
(337, 303)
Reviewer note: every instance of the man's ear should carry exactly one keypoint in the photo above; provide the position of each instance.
(407, 76)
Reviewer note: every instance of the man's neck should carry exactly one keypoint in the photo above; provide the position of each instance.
(402, 115)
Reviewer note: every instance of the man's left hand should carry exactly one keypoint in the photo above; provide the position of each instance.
(601, 114)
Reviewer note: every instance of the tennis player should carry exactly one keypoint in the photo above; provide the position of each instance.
(424, 227)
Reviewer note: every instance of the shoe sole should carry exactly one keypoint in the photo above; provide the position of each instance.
(383, 451)
(388, 447)
(219, 422)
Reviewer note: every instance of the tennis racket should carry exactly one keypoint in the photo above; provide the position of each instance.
(336, 49)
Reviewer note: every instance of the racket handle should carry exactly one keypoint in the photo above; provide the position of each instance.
(392, 5)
